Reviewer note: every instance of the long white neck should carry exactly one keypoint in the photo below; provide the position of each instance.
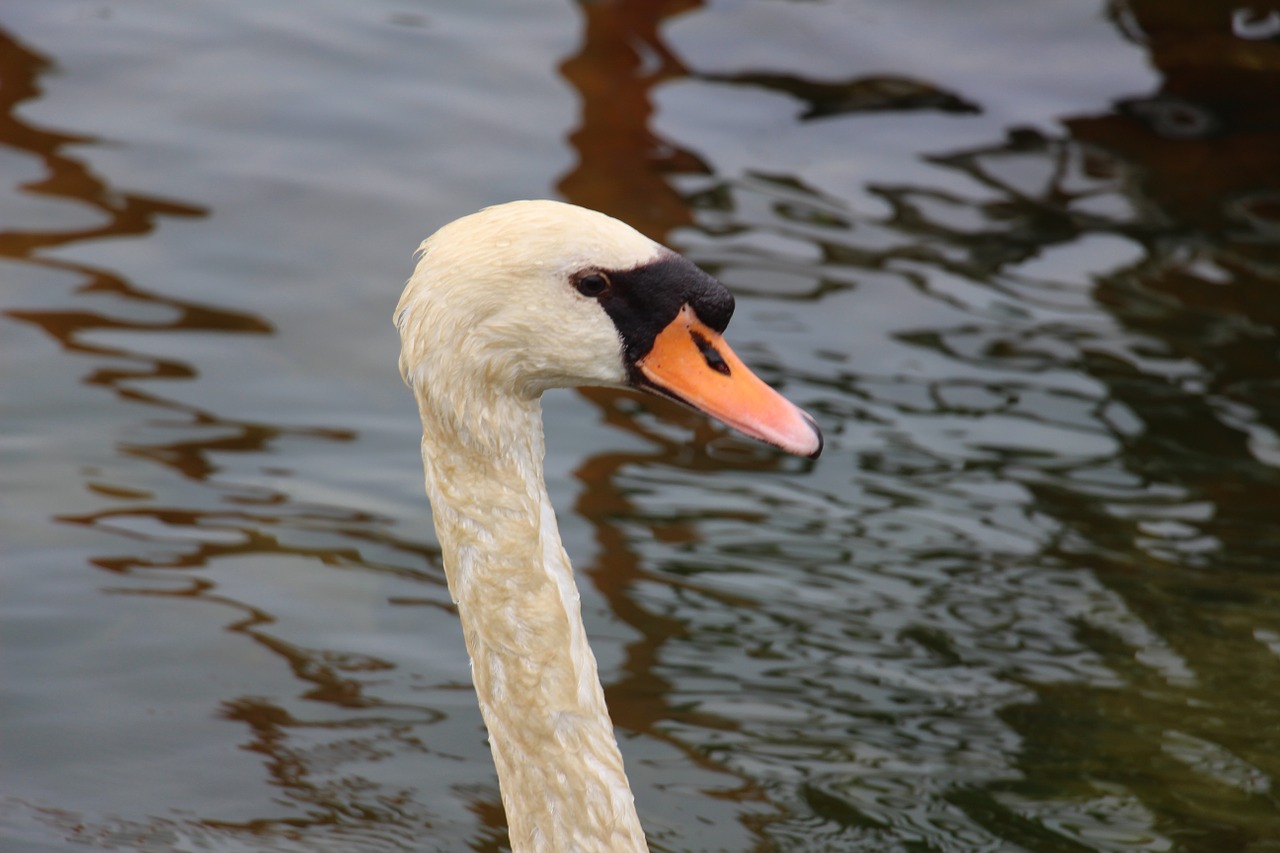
(559, 769)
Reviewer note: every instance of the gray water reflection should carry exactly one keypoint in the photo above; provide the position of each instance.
(1067, 492)
(192, 537)
(1025, 601)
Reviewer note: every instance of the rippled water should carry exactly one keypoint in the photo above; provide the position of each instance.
(1023, 264)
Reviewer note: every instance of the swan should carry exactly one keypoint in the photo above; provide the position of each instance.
(502, 305)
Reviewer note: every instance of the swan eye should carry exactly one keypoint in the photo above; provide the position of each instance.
(592, 285)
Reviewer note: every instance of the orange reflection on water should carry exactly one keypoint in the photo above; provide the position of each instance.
(248, 522)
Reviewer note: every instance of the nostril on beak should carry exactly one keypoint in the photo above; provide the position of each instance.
(714, 360)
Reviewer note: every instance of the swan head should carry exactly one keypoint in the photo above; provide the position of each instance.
(532, 295)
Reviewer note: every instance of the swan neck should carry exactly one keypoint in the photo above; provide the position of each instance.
(559, 769)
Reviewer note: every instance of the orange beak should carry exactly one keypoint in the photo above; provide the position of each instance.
(691, 363)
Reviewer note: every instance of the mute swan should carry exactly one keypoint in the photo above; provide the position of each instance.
(504, 304)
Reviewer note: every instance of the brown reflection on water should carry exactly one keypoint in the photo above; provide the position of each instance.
(622, 164)
(1206, 138)
(640, 701)
(624, 169)
(127, 214)
(131, 215)
(262, 521)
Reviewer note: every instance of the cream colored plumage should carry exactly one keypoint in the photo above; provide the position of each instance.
(490, 319)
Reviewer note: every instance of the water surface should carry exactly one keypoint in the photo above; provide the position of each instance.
(1022, 265)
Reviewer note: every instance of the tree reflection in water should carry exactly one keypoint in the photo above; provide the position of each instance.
(1026, 598)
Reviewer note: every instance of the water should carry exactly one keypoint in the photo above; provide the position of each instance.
(1021, 265)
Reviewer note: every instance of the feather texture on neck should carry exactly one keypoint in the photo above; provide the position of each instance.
(534, 672)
